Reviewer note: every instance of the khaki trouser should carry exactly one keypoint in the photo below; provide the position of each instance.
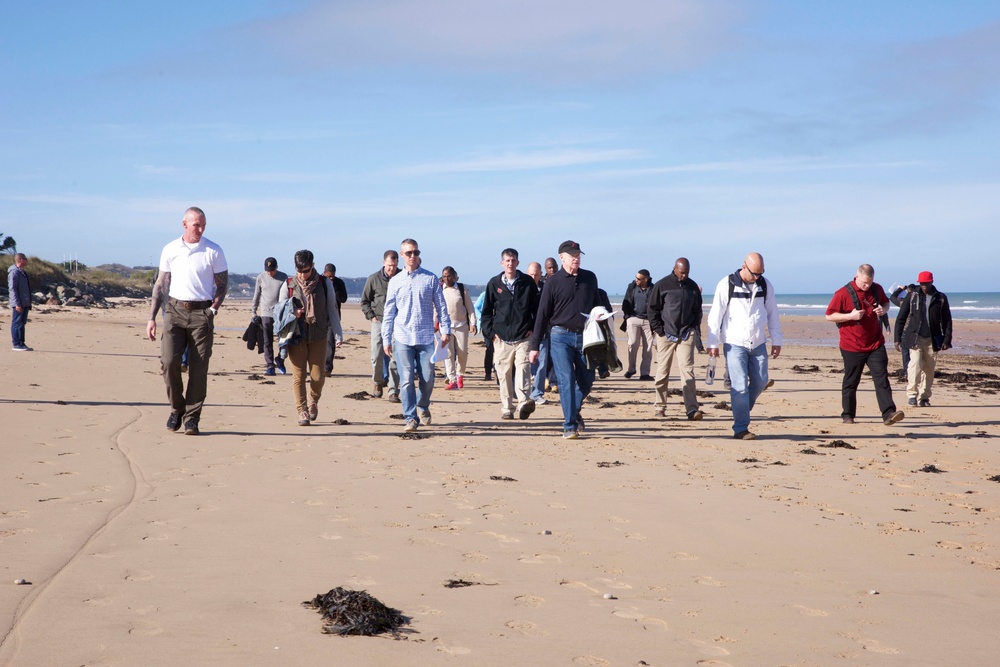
(513, 372)
(194, 331)
(920, 373)
(307, 358)
(639, 336)
(458, 346)
(666, 350)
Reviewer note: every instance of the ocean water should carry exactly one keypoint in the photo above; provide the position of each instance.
(964, 305)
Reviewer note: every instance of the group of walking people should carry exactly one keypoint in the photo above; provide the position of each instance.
(417, 318)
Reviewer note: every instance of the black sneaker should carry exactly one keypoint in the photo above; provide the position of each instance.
(174, 421)
(925, 403)
(191, 427)
(912, 402)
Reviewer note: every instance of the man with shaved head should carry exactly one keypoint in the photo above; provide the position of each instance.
(675, 317)
(743, 306)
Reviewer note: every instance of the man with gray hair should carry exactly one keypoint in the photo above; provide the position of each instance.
(384, 372)
(190, 289)
(859, 308)
(19, 288)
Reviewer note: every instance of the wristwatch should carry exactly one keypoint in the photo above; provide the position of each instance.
(215, 311)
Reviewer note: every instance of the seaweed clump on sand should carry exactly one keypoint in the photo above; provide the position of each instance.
(347, 612)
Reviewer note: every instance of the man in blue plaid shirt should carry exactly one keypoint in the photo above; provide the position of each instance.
(413, 296)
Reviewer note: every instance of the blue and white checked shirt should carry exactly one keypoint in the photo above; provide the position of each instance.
(410, 302)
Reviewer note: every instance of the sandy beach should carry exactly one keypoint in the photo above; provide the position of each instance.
(646, 542)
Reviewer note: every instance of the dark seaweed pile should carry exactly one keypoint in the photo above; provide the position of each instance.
(347, 612)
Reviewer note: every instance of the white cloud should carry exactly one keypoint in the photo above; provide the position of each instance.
(514, 161)
(548, 40)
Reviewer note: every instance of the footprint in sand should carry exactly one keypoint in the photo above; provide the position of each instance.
(590, 661)
(143, 629)
(528, 601)
(139, 575)
(806, 611)
(540, 559)
(475, 557)
(526, 628)
(681, 555)
(944, 544)
(708, 581)
(578, 584)
(498, 536)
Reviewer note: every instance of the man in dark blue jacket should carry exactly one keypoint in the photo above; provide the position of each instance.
(923, 325)
(508, 320)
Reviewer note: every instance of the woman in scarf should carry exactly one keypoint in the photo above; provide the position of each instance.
(315, 304)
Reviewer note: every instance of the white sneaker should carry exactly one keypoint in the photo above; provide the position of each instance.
(411, 425)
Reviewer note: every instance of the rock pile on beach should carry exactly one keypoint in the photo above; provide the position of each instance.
(83, 295)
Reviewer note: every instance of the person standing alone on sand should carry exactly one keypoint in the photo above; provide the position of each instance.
(20, 301)
(858, 308)
(744, 302)
(190, 289)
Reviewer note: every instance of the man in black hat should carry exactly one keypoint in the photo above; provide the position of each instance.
(568, 296)
(267, 291)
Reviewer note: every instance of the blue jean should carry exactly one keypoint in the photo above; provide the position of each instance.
(748, 375)
(540, 370)
(17, 321)
(575, 379)
(414, 360)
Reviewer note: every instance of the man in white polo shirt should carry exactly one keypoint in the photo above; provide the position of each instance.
(190, 288)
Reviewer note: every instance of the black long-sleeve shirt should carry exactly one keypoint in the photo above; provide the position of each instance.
(565, 302)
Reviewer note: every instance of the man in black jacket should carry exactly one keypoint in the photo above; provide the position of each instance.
(675, 317)
(924, 326)
(508, 320)
(636, 324)
(565, 302)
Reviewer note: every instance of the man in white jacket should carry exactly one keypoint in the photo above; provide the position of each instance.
(743, 305)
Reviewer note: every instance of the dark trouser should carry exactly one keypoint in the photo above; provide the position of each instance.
(192, 330)
(268, 324)
(488, 359)
(17, 321)
(878, 364)
(906, 362)
(331, 348)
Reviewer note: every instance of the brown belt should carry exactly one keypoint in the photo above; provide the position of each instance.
(190, 305)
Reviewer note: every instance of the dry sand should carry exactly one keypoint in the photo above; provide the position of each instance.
(146, 547)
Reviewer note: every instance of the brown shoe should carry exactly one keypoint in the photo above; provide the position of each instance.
(896, 416)
(744, 435)
(696, 415)
(848, 420)
(313, 411)
(378, 391)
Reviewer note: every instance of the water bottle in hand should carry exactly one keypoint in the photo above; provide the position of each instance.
(710, 370)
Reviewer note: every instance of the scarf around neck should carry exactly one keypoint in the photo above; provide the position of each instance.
(309, 285)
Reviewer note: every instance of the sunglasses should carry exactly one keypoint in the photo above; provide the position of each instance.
(753, 273)
(412, 253)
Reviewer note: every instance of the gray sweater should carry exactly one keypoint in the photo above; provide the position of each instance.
(267, 291)
(20, 290)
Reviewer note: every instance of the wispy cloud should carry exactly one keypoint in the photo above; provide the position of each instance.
(522, 161)
(575, 39)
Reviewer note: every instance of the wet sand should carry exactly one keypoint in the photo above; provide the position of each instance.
(648, 541)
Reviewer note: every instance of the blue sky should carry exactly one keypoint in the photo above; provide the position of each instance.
(822, 135)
